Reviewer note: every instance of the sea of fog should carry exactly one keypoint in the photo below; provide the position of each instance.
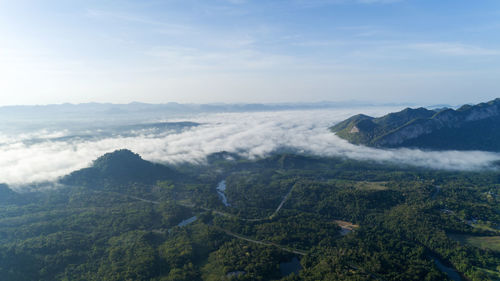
(34, 150)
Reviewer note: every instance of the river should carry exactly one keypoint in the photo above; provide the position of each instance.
(221, 189)
(452, 273)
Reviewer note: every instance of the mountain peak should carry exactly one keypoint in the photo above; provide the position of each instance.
(117, 158)
(118, 168)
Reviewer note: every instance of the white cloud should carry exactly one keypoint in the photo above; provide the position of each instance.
(249, 134)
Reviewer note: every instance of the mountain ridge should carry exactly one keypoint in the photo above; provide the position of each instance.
(470, 127)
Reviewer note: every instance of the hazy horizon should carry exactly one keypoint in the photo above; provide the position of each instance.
(284, 103)
(332, 103)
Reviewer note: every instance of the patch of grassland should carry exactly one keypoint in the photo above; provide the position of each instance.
(483, 242)
(492, 274)
(485, 227)
(363, 185)
(370, 185)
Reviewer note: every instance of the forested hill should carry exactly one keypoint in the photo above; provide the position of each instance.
(119, 168)
(471, 127)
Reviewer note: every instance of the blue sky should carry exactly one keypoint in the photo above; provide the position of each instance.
(203, 51)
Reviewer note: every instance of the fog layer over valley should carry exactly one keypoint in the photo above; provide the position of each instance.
(55, 147)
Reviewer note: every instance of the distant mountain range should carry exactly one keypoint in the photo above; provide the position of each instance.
(135, 111)
(104, 115)
(69, 109)
(470, 127)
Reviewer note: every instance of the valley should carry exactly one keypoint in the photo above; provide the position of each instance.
(341, 219)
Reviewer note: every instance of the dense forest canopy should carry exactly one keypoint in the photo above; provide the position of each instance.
(289, 217)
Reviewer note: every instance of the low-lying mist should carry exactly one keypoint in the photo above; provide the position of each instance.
(46, 154)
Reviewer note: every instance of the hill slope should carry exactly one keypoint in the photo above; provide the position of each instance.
(118, 168)
(470, 127)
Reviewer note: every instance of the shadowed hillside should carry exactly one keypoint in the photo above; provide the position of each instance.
(470, 127)
(119, 168)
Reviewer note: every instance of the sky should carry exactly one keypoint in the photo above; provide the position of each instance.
(244, 51)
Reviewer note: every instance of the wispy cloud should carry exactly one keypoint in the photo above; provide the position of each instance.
(454, 49)
(236, 1)
(318, 3)
(369, 51)
(378, 1)
(157, 25)
(240, 59)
